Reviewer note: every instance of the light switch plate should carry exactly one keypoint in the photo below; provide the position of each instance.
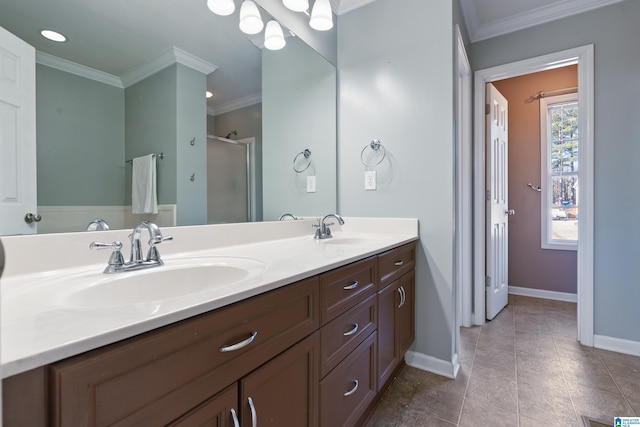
(311, 184)
(370, 180)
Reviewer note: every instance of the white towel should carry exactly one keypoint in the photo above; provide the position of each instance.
(144, 197)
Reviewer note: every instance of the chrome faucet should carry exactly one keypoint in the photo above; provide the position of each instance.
(136, 261)
(97, 224)
(288, 215)
(323, 231)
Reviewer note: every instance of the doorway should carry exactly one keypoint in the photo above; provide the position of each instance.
(583, 57)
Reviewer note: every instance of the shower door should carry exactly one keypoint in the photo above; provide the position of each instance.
(230, 193)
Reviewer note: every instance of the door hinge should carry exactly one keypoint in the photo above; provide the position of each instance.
(487, 281)
(487, 109)
(488, 195)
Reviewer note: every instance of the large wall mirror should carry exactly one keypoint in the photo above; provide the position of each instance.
(130, 80)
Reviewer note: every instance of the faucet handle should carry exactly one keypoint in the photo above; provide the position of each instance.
(116, 259)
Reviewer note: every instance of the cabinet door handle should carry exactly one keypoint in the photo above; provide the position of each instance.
(354, 389)
(352, 331)
(239, 345)
(234, 417)
(351, 286)
(254, 415)
(403, 296)
(399, 263)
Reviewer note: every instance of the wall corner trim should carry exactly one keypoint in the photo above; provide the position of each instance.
(617, 344)
(428, 363)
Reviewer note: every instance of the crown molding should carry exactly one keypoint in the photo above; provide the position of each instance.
(235, 104)
(170, 57)
(527, 19)
(78, 69)
(343, 6)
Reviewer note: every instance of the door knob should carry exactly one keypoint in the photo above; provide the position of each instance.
(510, 212)
(30, 218)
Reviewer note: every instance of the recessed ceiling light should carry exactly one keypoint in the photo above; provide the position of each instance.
(210, 94)
(53, 35)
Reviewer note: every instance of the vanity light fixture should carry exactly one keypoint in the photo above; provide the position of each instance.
(250, 19)
(296, 5)
(273, 36)
(221, 7)
(321, 18)
(53, 36)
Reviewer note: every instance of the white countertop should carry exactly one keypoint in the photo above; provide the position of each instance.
(40, 327)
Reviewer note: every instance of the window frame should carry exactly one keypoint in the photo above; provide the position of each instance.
(546, 202)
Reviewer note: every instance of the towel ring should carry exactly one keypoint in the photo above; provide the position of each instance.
(307, 155)
(377, 149)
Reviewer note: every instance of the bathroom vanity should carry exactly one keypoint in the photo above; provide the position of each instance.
(314, 345)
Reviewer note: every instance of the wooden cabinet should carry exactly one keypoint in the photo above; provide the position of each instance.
(313, 353)
(158, 377)
(396, 309)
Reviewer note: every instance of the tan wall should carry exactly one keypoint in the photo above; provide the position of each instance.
(529, 265)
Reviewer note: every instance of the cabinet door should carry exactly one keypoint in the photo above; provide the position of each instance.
(284, 392)
(215, 412)
(388, 302)
(407, 329)
(396, 328)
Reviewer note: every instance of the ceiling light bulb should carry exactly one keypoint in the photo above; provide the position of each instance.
(250, 20)
(273, 37)
(53, 35)
(321, 16)
(296, 5)
(221, 7)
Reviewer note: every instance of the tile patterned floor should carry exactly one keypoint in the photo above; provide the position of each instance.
(524, 368)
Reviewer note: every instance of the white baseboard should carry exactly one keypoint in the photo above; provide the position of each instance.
(617, 344)
(540, 293)
(431, 364)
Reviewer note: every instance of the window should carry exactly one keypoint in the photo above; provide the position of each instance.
(559, 149)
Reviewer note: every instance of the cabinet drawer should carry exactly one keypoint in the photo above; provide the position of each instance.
(343, 334)
(396, 262)
(347, 391)
(133, 382)
(344, 287)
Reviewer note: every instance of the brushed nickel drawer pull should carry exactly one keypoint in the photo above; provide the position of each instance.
(234, 417)
(354, 389)
(254, 416)
(352, 331)
(402, 296)
(239, 345)
(399, 263)
(351, 286)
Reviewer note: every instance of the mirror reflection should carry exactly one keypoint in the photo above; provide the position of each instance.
(130, 81)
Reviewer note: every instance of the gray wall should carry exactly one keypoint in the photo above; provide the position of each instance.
(191, 119)
(615, 32)
(80, 140)
(396, 85)
(299, 112)
(163, 113)
(151, 128)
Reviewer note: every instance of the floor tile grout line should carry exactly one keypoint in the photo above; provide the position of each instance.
(624, 396)
(564, 376)
(466, 387)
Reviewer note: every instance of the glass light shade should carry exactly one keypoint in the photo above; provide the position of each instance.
(296, 5)
(250, 20)
(273, 36)
(321, 17)
(221, 7)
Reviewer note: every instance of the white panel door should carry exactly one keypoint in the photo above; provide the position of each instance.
(497, 208)
(17, 135)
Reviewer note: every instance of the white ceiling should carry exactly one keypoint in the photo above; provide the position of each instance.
(491, 18)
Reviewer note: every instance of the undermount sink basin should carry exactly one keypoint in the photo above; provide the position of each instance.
(346, 241)
(177, 278)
